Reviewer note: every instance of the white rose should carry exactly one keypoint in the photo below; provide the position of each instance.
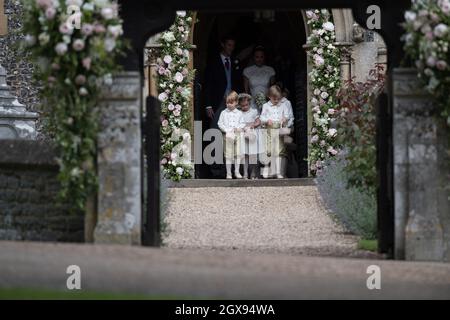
(332, 132)
(44, 38)
(431, 61)
(324, 95)
(30, 40)
(115, 31)
(110, 44)
(178, 77)
(168, 36)
(83, 91)
(180, 171)
(440, 30)
(107, 13)
(61, 48)
(163, 97)
(410, 16)
(167, 59)
(328, 26)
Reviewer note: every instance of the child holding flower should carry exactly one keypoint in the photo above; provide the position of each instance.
(230, 124)
(276, 116)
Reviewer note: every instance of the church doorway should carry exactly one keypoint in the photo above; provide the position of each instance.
(282, 34)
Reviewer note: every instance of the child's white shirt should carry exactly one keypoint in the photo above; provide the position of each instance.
(277, 112)
(230, 120)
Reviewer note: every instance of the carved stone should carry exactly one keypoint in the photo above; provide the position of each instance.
(421, 170)
(119, 162)
(15, 121)
(358, 33)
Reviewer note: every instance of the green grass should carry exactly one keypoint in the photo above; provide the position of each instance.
(45, 294)
(369, 245)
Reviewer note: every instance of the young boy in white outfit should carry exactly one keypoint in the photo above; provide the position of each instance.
(249, 144)
(230, 124)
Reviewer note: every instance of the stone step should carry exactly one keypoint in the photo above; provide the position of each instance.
(238, 183)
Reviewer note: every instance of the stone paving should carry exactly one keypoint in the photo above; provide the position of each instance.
(214, 274)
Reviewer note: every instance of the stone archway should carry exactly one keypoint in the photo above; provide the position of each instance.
(344, 26)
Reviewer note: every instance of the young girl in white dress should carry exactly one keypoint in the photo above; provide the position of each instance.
(232, 127)
(275, 115)
(249, 145)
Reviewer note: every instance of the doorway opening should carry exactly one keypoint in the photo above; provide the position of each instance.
(282, 34)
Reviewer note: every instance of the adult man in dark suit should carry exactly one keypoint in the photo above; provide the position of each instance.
(222, 75)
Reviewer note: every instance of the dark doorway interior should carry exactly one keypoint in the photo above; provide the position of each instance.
(282, 33)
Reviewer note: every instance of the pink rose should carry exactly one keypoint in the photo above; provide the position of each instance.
(80, 79)
(44, 3)
(50, 13)
(99, 28)
(161, 70)
(441, 65)
(87, 29)
(64, 28)
(78, 45)
(87, 63)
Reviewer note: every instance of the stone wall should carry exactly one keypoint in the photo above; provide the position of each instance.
(421, 173)
(28, 195)
(19, 70)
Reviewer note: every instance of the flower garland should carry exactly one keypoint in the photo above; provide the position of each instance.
(174, 85)
(427, 41)
(74, 44)
(325, 82)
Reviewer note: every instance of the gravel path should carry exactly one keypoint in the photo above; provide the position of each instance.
(262, 219)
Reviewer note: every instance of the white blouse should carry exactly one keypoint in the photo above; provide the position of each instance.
(230, 120)
(259, 78)
(277, 112)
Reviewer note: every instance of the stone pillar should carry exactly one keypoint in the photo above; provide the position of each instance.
(119, 162)
(3, 19)
(346, 57)
(382, 58)
(152, 53)
(15, 121)
(421, 171)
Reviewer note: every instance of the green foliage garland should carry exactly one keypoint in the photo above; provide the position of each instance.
(174, 85)
(325, 81)
(74, 44)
